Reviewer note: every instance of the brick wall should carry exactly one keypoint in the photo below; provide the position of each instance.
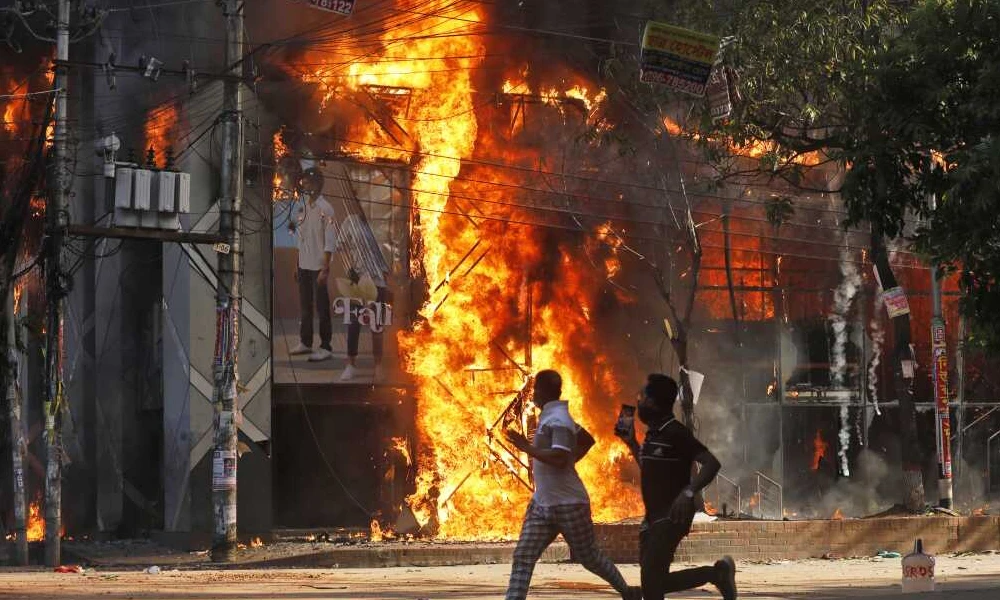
(763, 540)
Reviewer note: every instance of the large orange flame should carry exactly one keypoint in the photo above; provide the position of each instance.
(470, 350)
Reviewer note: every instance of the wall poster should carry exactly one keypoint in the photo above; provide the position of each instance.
(341, 276)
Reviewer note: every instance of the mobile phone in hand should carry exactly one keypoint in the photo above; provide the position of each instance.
(625, 426)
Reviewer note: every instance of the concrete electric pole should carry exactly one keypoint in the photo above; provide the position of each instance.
(227, 299)
(13, 399)
(56, 222)
(939, 366)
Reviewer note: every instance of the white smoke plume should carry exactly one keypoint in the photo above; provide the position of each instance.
(878, 338)
(843, 298)
(845, 440)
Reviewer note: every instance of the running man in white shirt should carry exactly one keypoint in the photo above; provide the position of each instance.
(560, 503)
(316, 243)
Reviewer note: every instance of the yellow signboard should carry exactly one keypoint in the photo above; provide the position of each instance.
(678, 58)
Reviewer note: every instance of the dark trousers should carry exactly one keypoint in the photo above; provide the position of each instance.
(657, 543)
(354, 333)
(310, 292)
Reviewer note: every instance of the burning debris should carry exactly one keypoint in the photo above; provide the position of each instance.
(36, 522)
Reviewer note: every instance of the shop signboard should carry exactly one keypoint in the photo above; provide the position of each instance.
(677, 58)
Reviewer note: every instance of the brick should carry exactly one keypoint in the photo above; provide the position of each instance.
(801, 539)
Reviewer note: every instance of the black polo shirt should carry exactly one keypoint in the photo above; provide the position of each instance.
(665, 460)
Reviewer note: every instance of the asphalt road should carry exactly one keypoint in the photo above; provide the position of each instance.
(970, 577)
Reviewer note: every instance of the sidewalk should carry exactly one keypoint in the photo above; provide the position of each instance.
(138, 554)
(966, 577)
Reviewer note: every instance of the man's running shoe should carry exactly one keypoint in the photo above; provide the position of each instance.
(727, 577)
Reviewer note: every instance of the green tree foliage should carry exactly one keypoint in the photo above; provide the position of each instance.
(936, 94)
(900, 94)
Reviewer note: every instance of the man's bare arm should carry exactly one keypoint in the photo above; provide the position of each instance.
(709, 469)
(630, 440)
(557, 457)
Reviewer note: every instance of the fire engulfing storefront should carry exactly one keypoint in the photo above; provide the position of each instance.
(433, 212)
(538, 225)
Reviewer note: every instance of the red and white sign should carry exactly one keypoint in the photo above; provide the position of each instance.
(940, 378)
(895, 302)
(919, 572)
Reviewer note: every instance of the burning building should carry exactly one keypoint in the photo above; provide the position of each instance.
(527, 249)
(497, 211)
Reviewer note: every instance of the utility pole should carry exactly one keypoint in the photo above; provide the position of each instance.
(227, 299)
(903, 369)
(13, 400)
(56, 222)
(939, 349)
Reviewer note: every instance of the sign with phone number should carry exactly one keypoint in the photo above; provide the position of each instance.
(672, 81)
(341, 7)
(677, 58)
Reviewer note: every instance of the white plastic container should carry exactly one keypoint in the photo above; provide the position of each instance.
(918, 570)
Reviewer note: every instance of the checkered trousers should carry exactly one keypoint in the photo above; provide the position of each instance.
(541, 525)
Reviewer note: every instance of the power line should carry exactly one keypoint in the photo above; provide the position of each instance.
(607, 217)
(589, 180)
(629, 203)
(158, 5)
(554, 226)
(28, 94)
(536, 30)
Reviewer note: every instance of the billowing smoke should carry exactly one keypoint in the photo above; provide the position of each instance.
(845, 440)
(857, 497)
(877, 339)
(842, 300)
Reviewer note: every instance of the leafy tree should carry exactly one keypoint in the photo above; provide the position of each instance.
(897, 97)
(935, 98)
(902, 97)
(805, 72)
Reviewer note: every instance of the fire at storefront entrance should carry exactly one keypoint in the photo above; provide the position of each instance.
(529, 238)
(518, 216)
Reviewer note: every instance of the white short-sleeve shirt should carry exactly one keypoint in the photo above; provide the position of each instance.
(316, 233)
(555, 486)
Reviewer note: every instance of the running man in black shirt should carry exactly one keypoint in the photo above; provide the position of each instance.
(666, 459)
